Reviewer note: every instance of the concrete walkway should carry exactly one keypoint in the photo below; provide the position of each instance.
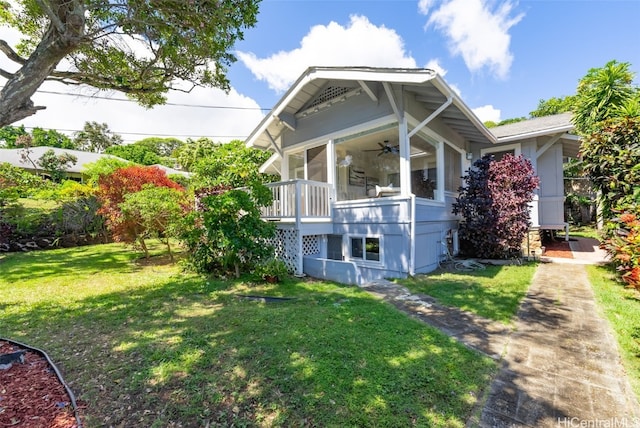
(562, 367)
(560, 364)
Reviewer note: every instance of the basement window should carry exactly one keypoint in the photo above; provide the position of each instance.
(364, 248)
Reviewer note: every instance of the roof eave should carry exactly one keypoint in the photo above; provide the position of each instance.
(443, 87)
(533, 134)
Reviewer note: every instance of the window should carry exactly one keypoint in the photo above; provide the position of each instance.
(365, 248)
(334, 247)
(316, 165)
(500, 151)
(424, 167)
(367, 159)
(453, 169)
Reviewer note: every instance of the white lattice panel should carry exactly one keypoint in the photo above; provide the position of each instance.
(286, 246)
(310, 245)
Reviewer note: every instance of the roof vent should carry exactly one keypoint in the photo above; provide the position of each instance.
(329, 93)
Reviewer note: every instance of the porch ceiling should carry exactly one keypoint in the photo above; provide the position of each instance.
(423, 84)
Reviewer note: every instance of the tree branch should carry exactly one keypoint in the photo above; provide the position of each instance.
(55, 19)
(5, 74)
(10, 53)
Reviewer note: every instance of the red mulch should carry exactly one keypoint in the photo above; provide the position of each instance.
(31, 394)
(558, 249)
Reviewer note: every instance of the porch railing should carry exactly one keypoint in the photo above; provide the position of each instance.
(298, 199)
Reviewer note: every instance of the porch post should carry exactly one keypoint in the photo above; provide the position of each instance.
(405, 164)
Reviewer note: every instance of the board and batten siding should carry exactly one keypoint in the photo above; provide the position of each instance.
(353, 112)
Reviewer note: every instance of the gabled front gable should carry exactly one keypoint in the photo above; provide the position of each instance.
(320, 88)
(546, 142)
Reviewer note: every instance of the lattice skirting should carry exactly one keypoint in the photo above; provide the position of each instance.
(286, 245)
(311, 245)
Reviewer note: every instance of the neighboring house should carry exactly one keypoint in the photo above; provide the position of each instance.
(74, 172)
(545, 141)
(371, 160)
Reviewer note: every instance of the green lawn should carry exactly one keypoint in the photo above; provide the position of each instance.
(145, 344)
(494, 293)
(621, 306)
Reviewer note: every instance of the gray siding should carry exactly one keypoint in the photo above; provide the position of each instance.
(551, 202)
(354, 111)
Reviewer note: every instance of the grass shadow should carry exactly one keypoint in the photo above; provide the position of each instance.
(181, 349)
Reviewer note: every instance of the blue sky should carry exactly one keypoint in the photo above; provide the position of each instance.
(501, 56)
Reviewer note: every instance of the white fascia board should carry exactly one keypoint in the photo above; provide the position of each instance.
(539, 133)
(390, 75)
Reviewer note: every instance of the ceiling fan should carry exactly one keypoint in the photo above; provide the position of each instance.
(385, 148)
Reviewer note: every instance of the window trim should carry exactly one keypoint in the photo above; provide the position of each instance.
(363, 260)
(516, 147)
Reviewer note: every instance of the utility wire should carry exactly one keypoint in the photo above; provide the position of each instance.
(100, 97)
(240, 137)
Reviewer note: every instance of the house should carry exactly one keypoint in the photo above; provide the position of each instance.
(371, 160)
(73, 172)
(546, 142)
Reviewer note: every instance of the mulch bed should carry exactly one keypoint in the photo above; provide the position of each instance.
(558, 249)
(31, 395)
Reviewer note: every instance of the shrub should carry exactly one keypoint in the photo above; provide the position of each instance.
(225, 232)
(271, 270)
(156, 211)
(611, 158)
(112, 191)
(494, 204)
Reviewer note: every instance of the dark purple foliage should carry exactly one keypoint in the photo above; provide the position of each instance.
(495, 206)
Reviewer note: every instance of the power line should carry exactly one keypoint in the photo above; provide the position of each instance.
(240, 137)
(168, 103)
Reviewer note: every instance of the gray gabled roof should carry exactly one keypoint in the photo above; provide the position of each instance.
(539, 125)
(425, 84)
(14, 158)
(557, 124)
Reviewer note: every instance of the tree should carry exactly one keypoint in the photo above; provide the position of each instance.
(9, 134)
(602, 94)
(102, 168)
(611, 158)
(51, 138)
(25, 142)
(112, 190)
(233, 164)
(192, 151)
(495, 206)
(56, 165)
(554, 105)
(96, 137)
(138, 47)
(135, 153)
(163, 147)
(156, 213)
(16, 183)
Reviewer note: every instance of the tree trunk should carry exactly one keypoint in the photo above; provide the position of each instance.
(15, 97)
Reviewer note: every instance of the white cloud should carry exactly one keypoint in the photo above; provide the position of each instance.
(487, 113)
(434, 64)
(360, 43)
(425, 5)
(476, 31)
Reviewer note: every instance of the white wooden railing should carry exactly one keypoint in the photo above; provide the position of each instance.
(298, 199)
